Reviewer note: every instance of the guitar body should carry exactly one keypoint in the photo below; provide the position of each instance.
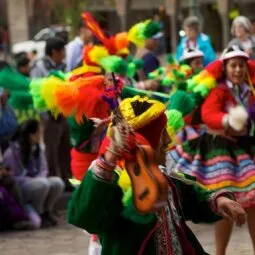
(150, 186)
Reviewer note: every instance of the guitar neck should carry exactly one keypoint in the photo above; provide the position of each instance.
(117, 115)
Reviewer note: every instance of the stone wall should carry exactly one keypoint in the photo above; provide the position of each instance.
(17, 20)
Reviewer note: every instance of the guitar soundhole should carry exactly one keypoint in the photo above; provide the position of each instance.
(136, 170)
(144, 194)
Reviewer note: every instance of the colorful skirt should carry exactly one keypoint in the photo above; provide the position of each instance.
(189, 133)
(219, 163)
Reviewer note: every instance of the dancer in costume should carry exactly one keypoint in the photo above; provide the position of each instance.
(223, 157)
(97, 204)
(193, 58)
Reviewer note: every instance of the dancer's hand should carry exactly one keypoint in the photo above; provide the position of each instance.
(231, 210)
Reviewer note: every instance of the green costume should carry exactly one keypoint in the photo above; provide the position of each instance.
(96, 206)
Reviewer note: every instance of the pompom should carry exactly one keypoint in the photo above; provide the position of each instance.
(135, 34)
(131, 70)
(238, 117)
(201, 89)
(175, 120)
(171, 59)
(182, 85)
(182, 102)
(97, 53)
(114, 64)
(215, 68)
(121, 40)
(151, 29)
(139, 63)
(167, 81)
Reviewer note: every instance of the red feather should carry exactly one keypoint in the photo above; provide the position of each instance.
(95, 28)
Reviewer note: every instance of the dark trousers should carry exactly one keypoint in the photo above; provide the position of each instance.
(57, 145)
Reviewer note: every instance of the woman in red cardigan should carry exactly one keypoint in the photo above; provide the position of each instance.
(223, 156)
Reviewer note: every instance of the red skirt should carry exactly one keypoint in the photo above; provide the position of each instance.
(80, 163)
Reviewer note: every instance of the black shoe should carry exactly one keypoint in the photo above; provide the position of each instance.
(50, 218)
(23, 225)
(69, 187)
(45, 222)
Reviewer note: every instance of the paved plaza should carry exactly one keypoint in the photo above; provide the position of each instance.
(66, 240)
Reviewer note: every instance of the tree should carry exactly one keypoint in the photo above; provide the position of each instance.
(67, 12)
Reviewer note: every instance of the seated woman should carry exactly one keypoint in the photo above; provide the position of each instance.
(13, 213)
(27, 164)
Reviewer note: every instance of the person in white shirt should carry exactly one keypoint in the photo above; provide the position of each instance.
(74, 48)
(242, 32)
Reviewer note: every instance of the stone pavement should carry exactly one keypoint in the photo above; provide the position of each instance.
(67, 240)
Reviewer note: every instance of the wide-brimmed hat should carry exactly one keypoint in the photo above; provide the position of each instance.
(233, 52)
(191, 53)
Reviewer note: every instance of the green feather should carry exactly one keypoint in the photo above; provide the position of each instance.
(21, 100)
(11, 80)
(35, 91)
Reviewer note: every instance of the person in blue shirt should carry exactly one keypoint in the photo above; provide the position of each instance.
(147, 54)
(75, 47)
(195, 39)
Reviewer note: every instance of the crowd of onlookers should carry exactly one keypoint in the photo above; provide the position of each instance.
(35, 155)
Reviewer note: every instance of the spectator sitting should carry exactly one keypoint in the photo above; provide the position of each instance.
(53, 59)
(75, 47)
(194, 39)
(13, 213)
(26, 161)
